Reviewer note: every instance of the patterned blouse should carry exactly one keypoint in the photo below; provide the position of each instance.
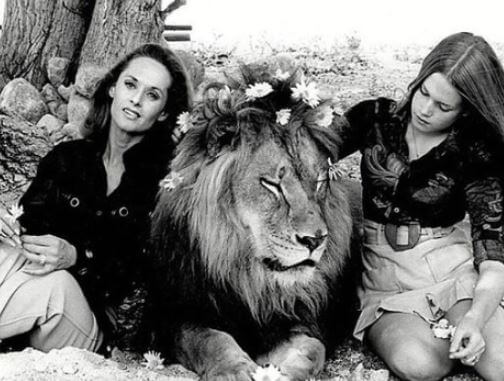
(459, 175)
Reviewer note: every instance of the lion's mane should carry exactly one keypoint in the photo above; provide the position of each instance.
(205, 263)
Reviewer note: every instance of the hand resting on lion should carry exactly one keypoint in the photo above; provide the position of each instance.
(252, 231)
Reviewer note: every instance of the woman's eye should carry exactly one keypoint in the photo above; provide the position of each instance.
(423, 91)
(153, 95)
(129, 84)
(444, 108)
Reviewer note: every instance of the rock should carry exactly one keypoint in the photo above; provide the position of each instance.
(50, 123)
(50, 94)
(62, 112)
(77, 109)
(379, 375)
(59, 110)
(65, 91)
(194, 67)
(358, 373)
(20, 98)
(21, 148)
(68, 132)
(57, 68)
(87, 79)
(54, 101)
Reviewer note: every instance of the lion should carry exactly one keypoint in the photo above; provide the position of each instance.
(251, 234)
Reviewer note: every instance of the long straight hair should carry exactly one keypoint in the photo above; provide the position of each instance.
(472, 67)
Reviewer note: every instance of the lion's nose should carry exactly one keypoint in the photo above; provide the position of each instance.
(311, 242)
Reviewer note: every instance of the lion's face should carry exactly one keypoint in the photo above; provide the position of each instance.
(277, 200)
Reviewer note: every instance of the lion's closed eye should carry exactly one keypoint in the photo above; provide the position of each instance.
(273, 186)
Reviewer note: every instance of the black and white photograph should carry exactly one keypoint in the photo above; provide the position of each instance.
(238, 190)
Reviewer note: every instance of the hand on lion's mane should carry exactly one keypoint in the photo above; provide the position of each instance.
(252, 243)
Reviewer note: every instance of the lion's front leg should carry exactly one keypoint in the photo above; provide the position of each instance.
(298, 358)
(213, 354)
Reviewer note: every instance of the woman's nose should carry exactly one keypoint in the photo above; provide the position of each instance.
(427, 107)
(136, 97)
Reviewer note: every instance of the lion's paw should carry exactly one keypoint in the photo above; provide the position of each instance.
(236, 371)
(299, 358)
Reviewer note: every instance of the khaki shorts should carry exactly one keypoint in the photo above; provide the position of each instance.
(50, 308)
(426, 280)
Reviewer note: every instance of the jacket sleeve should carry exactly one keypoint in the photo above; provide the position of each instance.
(357, 122)
(41, 204)
(40, 198)
(484, 193)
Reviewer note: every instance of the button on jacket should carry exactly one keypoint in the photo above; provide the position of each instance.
(68, 199)
(461, 174)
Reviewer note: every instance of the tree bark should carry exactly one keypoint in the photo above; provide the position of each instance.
(36, 30)
(119, 26)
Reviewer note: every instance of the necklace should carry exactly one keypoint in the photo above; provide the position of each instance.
(416, 155)
(428, 142)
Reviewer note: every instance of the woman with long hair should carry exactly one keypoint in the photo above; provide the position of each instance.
(426, 162)
(70, 259)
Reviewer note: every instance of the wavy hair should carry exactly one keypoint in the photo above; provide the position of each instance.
(179, 95)
(472, 67)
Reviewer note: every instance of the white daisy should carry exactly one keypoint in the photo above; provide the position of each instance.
(184, 122)
(171, 181)
(258, 90)
(443, 329)
(283, 116)
(16, 211)
(308, 93)
(153, 360)
(268, 373)
(333, 171)
(281, 75)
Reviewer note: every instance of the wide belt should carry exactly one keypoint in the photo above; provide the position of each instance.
(402, 237)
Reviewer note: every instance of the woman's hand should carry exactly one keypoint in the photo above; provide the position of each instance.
(468, 343)
(10, 229)
(49, 252)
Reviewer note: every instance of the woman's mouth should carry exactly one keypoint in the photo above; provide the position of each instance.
(422, 121)
(131, 114)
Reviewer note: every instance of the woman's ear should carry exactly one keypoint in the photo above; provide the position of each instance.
(162, 117)
(111, 91)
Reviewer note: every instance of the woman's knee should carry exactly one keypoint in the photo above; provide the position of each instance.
(491, 365)
(65, 291)
(417, 361)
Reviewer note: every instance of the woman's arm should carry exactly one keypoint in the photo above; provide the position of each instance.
(484, 197)
(39, 220)
(468, 340)
(357, 121)
(488, 293)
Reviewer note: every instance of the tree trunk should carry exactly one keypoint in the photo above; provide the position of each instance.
(36, 30)
(118, 26)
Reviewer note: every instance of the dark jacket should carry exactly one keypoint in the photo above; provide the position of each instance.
(68, 199)
(460, 175)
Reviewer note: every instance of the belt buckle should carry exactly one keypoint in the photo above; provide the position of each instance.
(413, 236)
